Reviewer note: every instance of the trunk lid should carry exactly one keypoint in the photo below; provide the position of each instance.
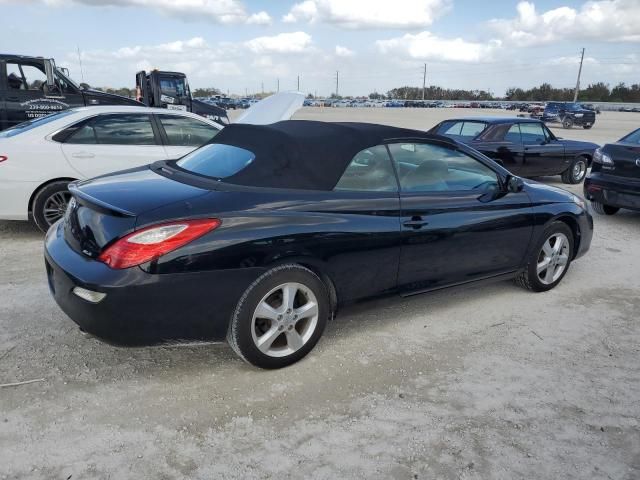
(106, 208)
(626, 159)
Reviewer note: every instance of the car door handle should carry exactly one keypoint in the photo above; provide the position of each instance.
(82, 155)
(416, 222)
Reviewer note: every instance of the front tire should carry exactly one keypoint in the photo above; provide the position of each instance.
(604, 209)
(576, 171)
(567, 122)
(50, 203)
(550, 259)
(280, 317)
(587, 127)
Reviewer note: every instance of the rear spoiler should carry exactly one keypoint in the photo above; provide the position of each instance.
(95, 203)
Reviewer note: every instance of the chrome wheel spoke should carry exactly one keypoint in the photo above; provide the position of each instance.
(288, 296)
(563, 259)
(547, 248)
(266, 340)
(309, 309)
(543, 265)
(265, 310)
(548, 276)
(294, 340)
(557, 247)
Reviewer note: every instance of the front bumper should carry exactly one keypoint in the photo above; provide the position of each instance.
(141, 308)
(613, 190)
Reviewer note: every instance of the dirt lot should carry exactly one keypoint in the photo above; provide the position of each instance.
(489, 382)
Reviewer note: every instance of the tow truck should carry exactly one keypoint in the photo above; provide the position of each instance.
(32, 87)
(170, 90)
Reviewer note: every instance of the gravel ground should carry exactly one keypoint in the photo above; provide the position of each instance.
(476, 383)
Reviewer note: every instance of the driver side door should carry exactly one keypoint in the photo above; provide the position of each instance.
(543, 154)
(458, 224)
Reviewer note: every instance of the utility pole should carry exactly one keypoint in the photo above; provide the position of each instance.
(262, 86)
(424, 80)
(298, 89)
(337, 82)
(278, 84)
(80, 62)
(575, 94)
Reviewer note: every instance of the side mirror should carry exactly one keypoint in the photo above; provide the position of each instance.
(514, 184)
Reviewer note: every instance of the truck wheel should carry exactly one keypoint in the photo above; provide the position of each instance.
(604, 209)
(587, 127)
(576, 171)
(50, 203)
(567, 122)
(280, 317)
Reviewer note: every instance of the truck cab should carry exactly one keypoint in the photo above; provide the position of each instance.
(162, 89)
(32, 87)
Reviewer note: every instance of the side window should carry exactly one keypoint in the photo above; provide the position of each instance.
(64, 85)
(424, 167)
(513, 134)
(125, 129)
(22, 76)
(186, 131)
(532, 133)
(454, 128)
(371, 171)
(472, 129)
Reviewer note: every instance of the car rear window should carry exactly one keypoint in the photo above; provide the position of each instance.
(216, 160)
(462, 130)
(633, 137)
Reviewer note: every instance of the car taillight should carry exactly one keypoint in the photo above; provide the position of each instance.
(155, 241)
(3, 158)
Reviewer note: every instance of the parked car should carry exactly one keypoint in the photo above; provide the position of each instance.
(568, 114)
(524, 146)
(614, 180)
(261, 235)
(41, 157)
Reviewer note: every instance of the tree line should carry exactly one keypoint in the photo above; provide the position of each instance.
(596, 92)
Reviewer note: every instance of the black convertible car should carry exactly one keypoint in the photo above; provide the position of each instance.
(614, 181)
(259, 236)
(524, 146)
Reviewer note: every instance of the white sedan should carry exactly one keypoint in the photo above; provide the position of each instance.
(39, 158)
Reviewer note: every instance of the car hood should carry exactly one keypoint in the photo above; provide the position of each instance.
(579, 145)
(542, 193)
(275, 108)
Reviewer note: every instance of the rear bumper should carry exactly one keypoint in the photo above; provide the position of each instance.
(142, 308)
(613, 190)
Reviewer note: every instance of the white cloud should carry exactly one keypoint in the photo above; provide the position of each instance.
(217, 11)
(344, 51)
(606, 20)
(295, 42)
(260, 18)
(368, 13)
(426, 46)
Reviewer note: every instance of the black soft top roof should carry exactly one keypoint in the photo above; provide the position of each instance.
(307, 154)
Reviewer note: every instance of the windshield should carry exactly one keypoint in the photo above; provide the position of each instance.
(67, 79)
(31, 124)
(633, 137)
(216, 160)
(174, 87)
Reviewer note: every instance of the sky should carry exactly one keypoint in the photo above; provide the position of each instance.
(245, 46)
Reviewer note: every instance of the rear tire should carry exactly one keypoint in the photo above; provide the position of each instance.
(587, 127)
(604, 209)
(567, 122)
(576, 171)
(549, 261)
(280, 317)
(50, 203)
